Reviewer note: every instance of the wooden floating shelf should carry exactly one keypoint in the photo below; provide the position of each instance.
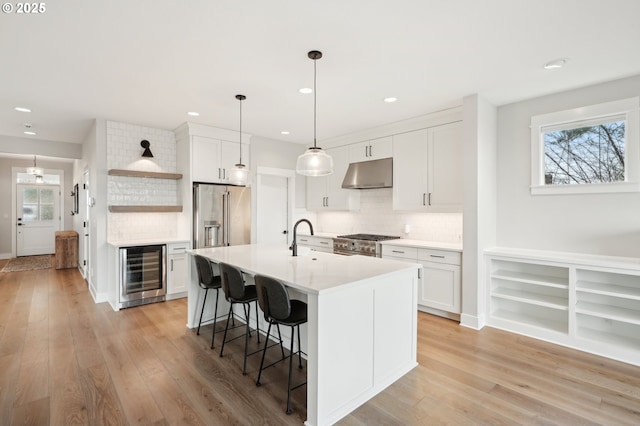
(145, 209)
(136, 173)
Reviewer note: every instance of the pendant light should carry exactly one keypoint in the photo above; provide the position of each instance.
(239, 173)
(315, 161)
(35, 170)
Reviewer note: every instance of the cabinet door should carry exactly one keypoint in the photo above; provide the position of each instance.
(205, 160)
(445, 167)
(229, 157)
(440, 287)
(177, 282)
(337, 197)
(316, 192)
(371, 150)
(410, 170)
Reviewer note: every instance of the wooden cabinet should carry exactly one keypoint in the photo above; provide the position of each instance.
(326, 193)
(427, 173)
(315, 243)
(371, 150)
(177, 276)
(587, 302)
(212, 159)
(440, 284)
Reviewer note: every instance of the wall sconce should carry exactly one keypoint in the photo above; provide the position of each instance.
(147, 152)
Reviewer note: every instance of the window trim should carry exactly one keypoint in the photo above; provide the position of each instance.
(627, 108)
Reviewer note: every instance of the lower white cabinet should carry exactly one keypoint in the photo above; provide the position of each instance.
(586, 302)
(440, 284)
(177, 277)
(315, 243)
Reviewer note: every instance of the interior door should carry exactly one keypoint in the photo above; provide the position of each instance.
(272, 202)
(38, 214)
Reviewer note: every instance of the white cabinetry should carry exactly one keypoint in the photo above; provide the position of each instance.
(427, 173)
(371, 150)
(177, 276)
(326, 193)
(315, 243)
(212, 159)
(440, 284)
(591, 303)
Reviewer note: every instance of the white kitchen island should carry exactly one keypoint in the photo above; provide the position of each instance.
(362, 320)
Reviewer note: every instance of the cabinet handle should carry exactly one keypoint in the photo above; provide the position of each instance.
(366, 150)
(397, 251)
(219, 173)
(171, 265)
(424, 202)
(324, 242)
(435, 255)
(429, 198)
(370, 151)
(303, 240)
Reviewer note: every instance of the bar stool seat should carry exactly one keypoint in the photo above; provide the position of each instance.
(279, 309)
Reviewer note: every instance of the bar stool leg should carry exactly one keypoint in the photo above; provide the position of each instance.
(280, 337)
(215, 317)
(257, 325)
(299, 349)
(206, 290)
(247, 311)
(264, 352)
(293, 330)
(224, 338)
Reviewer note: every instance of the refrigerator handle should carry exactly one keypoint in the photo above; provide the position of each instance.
(227, 220)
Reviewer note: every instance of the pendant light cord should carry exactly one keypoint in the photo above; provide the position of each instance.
(314, 102)
(240, 131)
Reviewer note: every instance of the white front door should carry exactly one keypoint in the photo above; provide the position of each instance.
(273, 208)
(38, 218)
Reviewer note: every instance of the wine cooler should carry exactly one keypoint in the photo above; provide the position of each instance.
(143, 275)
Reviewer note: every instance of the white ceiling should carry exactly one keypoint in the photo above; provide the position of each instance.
(149, 62)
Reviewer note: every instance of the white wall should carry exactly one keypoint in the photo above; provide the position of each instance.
(606, 224)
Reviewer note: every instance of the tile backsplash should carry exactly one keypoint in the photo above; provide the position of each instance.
(124, 152)
(376, 216)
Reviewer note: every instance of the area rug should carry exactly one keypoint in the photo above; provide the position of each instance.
(28, 263)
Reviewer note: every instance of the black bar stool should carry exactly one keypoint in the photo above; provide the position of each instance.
(208, 281)
(235, 291)
(279, 309)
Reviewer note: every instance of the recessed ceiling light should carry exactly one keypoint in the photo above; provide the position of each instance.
(305, 90)
(193, 114)
(390, 100)
(22, 109)
(284, 132)
(30, 133)
(557, 63)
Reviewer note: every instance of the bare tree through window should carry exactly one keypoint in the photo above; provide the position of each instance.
(589, 154)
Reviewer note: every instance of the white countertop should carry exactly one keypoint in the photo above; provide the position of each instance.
(146, 242)
(313, 273)
(424, 244)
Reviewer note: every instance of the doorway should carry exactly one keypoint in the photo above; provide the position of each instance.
(38, 218)
(275, 201)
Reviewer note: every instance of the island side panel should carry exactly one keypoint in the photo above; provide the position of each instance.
(364, 339)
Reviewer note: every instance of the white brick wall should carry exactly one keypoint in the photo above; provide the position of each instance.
(376, 216)
(124, 152)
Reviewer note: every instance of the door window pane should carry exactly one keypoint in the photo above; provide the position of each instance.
(46, 212)
(30, 196)
(46, 196)
(29, 212)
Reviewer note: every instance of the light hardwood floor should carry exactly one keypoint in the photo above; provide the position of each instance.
(66, 360)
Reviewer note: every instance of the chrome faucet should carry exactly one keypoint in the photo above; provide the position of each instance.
(294, 245)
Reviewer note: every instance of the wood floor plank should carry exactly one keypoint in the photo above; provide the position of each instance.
(68, 403)
(32, 413)
(104, 406)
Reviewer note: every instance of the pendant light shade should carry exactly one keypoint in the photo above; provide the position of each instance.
(315, 161)
(35, 170)
(239, 174)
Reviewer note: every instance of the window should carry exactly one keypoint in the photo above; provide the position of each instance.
(593, 149)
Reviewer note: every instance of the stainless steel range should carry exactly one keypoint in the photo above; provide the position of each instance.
(362, 244)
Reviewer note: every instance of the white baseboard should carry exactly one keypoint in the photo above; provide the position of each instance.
(5, 256)
(471, 321)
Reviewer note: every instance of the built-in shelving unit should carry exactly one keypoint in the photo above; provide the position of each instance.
(586, 302)
(141, 174)
(144, 208)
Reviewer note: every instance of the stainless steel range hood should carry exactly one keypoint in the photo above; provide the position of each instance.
(369, 174)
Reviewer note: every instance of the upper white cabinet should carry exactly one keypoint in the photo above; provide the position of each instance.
(326, 193)
(371, 150)
(212, 159)
(427, 172)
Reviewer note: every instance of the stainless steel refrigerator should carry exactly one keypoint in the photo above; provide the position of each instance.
(221, 215)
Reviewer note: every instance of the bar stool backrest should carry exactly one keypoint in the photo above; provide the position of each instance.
(205, 274)
(273, 298)
(232, 282)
